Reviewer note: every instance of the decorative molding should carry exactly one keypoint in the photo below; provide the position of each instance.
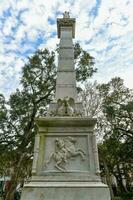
(65, 121)
(66, 22)
(95, 154)
(65, 85)
(66, 58)
(65, 70)
(66, 47)
(36, 152)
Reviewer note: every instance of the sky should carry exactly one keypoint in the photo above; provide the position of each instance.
(103, 27)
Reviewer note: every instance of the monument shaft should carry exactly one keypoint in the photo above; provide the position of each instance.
(66, 77)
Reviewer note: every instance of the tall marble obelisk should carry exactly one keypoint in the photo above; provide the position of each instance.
(65, 164)
(66, 77)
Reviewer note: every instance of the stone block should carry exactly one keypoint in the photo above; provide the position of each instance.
(65, 191)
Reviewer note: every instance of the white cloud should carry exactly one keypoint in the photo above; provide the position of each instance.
(20, 33)
(4, 5)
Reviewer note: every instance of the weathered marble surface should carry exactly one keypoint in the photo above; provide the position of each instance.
(79, 178)
(77, 129)
(65, 191)
(66, 76)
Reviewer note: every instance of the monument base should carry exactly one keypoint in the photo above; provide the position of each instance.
(65, 191)
(65, 164)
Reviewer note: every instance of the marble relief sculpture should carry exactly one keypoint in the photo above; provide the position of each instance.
(66, 107)
(65, 150)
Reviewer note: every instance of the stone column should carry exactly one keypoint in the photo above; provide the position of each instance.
(95, 153)
(36, 151)
(66, 76)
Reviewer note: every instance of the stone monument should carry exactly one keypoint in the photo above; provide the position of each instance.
(65, 164)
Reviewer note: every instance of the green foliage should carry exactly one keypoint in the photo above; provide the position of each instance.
(116, 198)
(127, 196)
(84, 63)
(117, 107)
(39, 73)
(117, 125)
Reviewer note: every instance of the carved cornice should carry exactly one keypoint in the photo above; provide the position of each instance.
(66, 22)
(65, 122)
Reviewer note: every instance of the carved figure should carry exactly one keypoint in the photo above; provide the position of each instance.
(66, 14)
(66, 107)
(64, 151)
(71, 150)
(61, 108)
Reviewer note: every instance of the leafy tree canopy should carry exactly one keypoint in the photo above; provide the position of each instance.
(117, 123)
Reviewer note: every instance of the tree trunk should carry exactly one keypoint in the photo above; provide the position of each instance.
(109, 182)
(17, 173)
(120, 180)
(127, 178)
(11, 192)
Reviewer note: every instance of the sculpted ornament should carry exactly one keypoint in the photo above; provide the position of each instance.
(65, 150)
(66, 15)
(66, 107)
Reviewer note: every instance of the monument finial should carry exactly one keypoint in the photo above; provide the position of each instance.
(66, 14)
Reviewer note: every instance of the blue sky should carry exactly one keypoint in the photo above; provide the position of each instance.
(103, 28)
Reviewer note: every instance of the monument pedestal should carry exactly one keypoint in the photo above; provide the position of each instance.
(65, 165)
(65, 191)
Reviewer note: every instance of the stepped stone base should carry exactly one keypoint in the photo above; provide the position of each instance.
(77, 178)
(65, 191)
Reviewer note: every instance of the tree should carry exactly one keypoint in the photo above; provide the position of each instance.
(90, 99)
(111, 104)
(117, 123)
(92, 104)
(17, 114)
(84, 63)
(118, 106)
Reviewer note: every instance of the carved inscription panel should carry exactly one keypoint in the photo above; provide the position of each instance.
(68, 153)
